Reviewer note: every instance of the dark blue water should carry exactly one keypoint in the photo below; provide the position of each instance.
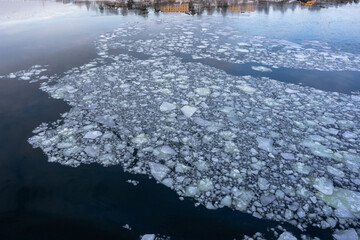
(41, 200)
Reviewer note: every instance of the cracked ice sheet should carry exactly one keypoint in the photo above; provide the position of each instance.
(271, 149)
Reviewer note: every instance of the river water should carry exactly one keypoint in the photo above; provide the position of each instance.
(42, 200)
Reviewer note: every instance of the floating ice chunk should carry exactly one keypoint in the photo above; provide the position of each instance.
(234, 173)
(165, 106)
(181, 168)
(127, 226)
(230, 147)
(287, 236)
(355, 98)
(243, 199)
(168, 182)
(191, 191)
(203, 91)
(242, 50)
(201, 122)
(158, 170)
(205, 185)
(140, 139)
(349, 234)
(342, 198)
(201, 165)
(302, 168)
(111, 79)
(167, 150)
(164, 152)
(92, 134)
(227, 135)
(64, 145)
(324, 185)
(318, 149)
(91, 151)
(335, 171)
(25, 78)
(133, 182)
(261, 69)
(246, 89)
(188, 111)
(148, 237)
(342, 212)
(349, 135)
(106, 120)
(244, 44)
(226, 201)
(263, 184)
(288, 90)
(288, 156)
(327, 120)
(11, 75)
(266, 199)
(265, 143)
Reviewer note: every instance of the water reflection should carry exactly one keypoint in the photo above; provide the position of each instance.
(142, 7)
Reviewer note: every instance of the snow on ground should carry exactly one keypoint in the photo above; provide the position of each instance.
(274, 150)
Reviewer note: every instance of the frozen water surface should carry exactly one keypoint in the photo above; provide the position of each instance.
(274, 150)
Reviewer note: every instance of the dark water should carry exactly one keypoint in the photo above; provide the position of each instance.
(41, 200)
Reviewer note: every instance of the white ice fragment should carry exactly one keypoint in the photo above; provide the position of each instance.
(335, 171)
(201, 122)
(191, 191)
(181, 168)
(127, 226)
(263, 184)
(265, 143)
(226, 201)
(201, 165)
(165, 107)
(234, 173)
(247, 89)
(91, 151)
(342, 198)
(302, 168)
(203, 91)
(140, 139)
(244, 44)
(324, 185)
(227, 135)
(168, 182)
(343, 212)
(230, 147)
(261, 69)
(287, 236)
(167, 150)
(288, 156)
(348, 134)
(266, 199)
(243, 199)
(106, 120)
(188, 111)
(242, 50)
(205, 185)
(148, 237)
(158, 170)
(92, 134)
(349, 234)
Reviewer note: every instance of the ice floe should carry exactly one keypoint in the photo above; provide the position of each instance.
(271, 149)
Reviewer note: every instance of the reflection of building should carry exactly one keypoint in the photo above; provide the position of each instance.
(175, 8)
(242, 8)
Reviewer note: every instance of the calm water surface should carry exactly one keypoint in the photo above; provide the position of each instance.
(41, 200)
